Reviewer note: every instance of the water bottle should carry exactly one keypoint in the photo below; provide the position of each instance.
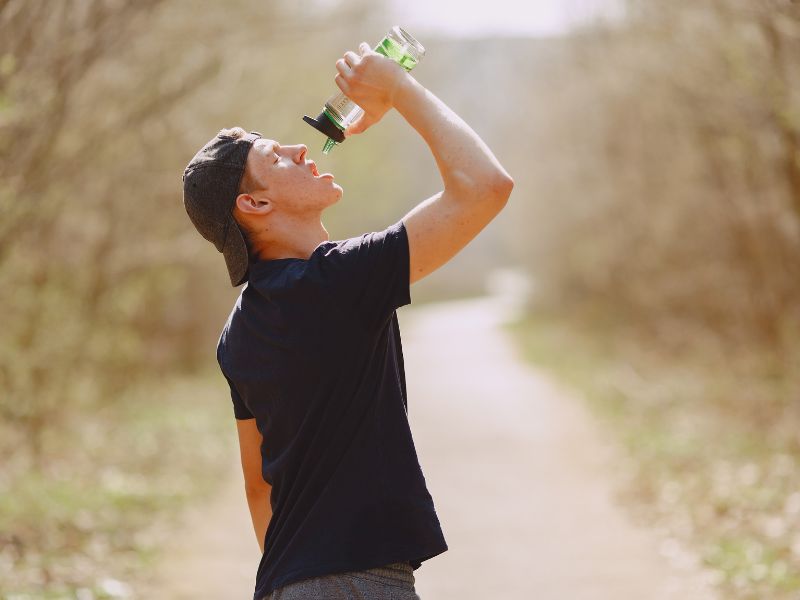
(339, 111)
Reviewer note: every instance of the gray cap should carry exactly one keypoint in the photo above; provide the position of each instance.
(210, 186)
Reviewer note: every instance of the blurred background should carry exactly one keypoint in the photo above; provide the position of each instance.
(652, 238)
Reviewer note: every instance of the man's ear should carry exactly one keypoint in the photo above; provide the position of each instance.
(253, 206)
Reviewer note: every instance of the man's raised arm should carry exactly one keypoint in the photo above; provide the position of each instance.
(476, 186)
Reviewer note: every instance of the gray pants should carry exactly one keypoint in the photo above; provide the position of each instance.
(389, 582)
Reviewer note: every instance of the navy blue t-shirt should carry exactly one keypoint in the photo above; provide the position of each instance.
(312, 351)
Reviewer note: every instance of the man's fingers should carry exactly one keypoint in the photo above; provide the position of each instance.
(342, 83)
(364, 48)
(342, 67)
(351, 58)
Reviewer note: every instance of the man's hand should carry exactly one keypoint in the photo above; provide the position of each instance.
(371, 80)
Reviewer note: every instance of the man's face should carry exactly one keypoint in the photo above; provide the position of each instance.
(288, 179)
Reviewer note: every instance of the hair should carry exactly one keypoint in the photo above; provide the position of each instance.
(246, 185)
(247, 182)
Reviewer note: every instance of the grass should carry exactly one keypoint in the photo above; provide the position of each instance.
(91, 521)
(713, 439)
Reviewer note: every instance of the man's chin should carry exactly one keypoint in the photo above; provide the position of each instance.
(334, 196)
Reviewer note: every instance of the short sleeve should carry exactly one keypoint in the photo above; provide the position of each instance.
(371, 273)
(240, 410)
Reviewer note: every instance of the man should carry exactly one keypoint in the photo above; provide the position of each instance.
(312, 348)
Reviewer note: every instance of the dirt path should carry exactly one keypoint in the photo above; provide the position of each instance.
(521, 477)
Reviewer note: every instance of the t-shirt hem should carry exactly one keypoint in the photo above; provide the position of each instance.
(335, 568)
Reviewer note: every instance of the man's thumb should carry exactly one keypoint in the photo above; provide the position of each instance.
(358, 126)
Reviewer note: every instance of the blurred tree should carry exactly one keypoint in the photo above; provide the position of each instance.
(81, 297)
(680, 207)
(102, 103)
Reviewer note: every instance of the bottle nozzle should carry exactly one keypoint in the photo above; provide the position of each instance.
(323, 124)
(329, 144)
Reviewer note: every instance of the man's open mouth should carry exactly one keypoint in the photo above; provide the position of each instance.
(314, 171)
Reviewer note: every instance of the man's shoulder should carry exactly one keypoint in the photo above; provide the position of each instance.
(366, 241)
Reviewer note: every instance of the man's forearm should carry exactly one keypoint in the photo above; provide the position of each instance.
(465, 162)
(260, 513)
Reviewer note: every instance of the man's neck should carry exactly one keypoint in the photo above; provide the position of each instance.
(304, 240)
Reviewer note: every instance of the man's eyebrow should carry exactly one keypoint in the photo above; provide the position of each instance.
(269, 146)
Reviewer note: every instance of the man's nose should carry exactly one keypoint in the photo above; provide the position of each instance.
(300, 152)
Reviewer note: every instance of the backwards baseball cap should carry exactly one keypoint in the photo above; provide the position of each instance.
(210, 186)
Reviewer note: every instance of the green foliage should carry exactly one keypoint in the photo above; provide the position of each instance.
(103, 501)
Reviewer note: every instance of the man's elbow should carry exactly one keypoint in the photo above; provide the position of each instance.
(500, 188)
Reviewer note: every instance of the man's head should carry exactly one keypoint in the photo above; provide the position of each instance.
(247, 194)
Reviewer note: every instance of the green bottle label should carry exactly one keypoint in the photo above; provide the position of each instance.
(391, 49)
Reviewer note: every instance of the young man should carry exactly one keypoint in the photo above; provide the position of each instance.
(312, 348)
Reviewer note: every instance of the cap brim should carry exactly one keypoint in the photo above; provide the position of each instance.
(235, 253)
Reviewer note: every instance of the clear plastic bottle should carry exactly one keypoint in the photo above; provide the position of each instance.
(339, 111)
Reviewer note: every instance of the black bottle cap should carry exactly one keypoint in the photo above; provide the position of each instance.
(323, 124)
